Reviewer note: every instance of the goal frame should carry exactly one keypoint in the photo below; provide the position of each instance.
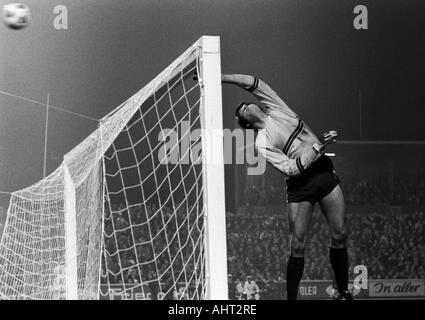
(213, 180)
(213, 168)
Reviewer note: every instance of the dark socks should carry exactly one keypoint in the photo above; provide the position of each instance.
(294, 274)
(339, 263)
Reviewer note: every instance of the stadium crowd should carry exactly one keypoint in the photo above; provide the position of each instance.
(389, 244)
(386, 219)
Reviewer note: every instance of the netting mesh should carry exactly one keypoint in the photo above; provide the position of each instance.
(154, 214)
(33, 247)
(138, 203)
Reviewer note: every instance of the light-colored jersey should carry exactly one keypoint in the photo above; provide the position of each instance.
(239, 290)
(251, 288)
(286, 142)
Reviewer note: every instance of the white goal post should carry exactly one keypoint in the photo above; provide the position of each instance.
(214, 169)
(114, 218)
(71, 267)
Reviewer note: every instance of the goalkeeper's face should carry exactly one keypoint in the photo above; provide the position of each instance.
(248, 114)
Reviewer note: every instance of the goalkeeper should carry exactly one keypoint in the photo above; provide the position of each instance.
(289, 145)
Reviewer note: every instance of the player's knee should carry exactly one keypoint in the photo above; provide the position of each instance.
(297, 247)
(339, 237)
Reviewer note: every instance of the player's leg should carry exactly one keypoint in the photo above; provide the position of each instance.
(299, 217)
(333, 208)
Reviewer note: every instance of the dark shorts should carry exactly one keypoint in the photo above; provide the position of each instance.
(314, 183)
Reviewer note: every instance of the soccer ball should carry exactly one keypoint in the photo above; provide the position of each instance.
(16, 15)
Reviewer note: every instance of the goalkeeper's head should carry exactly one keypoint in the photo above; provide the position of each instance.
(249, 115)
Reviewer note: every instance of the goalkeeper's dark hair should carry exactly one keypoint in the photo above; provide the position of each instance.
(243, 123)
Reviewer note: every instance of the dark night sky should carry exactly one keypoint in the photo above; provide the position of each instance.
(307, 50)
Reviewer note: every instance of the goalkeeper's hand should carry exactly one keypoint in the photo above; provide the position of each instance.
(325, 139)
(328, 138)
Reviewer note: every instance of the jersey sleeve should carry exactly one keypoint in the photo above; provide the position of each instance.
(267, 96)
(289, 167)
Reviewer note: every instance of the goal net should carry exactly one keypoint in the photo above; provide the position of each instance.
(130, 211)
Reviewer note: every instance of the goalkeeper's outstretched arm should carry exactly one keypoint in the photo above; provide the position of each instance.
(242, 80)
(256, 86)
